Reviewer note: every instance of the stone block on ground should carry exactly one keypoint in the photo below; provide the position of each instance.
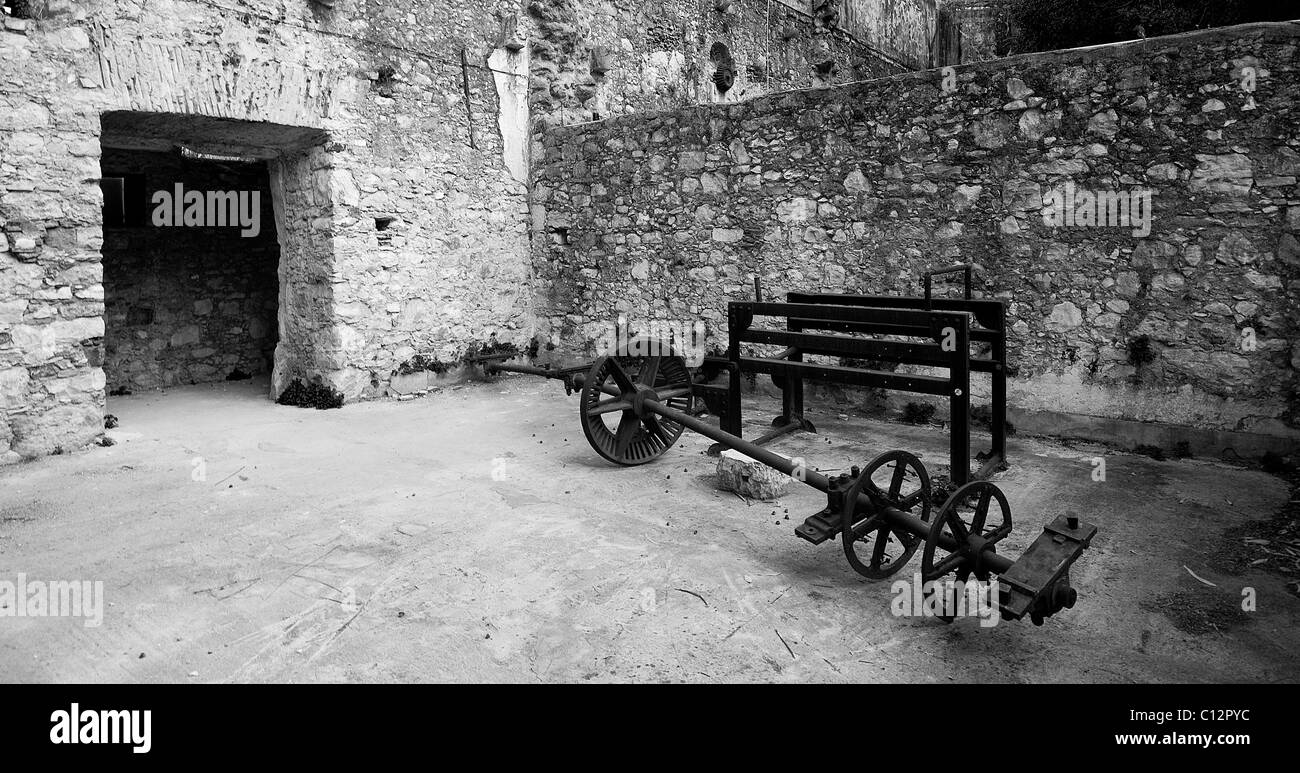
(409, 383)
(750, 478)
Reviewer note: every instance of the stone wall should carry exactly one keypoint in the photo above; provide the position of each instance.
(408, 140)
(187, 305)
(307, 312)
(397, 133)
(591, 60)
(862, 187)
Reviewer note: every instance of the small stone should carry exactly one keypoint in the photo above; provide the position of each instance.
(965, 196)
(1166, 171)
(1227, 173)
(1016, 89)
(691, 159)
(1288, 249)
(1032, 125)
(857, 182)
(747, 477)
(796, 210)
(1064, 316)
(1105, 123)
(950, 230)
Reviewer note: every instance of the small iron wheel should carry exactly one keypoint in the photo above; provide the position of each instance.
(895, 479)
(614, 418)
(966, 517)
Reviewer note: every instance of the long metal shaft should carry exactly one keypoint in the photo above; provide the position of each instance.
(897, 518)
(773, 460)
(529, 370)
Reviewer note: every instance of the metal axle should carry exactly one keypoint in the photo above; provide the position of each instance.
(899, 519)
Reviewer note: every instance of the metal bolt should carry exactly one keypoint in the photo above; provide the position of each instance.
(1072, 521)
(856, 471)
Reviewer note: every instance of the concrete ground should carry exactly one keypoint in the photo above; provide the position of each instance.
(472, 535)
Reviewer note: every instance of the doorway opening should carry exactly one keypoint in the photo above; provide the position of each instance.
(207, 250)
(190, 270)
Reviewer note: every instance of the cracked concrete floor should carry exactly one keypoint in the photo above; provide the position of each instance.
(473, 536)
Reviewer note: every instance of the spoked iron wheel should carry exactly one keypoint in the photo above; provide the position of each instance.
(873, 547)
(614, 418)
(977, 517)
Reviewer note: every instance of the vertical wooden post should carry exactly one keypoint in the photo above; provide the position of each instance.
(959, 400)
(737, 323)
(999, 423)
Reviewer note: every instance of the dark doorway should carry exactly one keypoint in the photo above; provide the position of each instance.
(190, 261)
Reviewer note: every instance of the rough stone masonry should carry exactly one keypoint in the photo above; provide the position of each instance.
(862, 187)
(353, 135)
(395, 138)
(431, 196)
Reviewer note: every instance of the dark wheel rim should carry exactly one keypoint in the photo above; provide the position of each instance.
(609, 405)
(977, 516)
(873, 547)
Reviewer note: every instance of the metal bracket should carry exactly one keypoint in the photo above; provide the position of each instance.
(824, 524)
(1033, 585)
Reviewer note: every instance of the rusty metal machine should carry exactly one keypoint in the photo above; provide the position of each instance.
(877, 330)
(633, 408)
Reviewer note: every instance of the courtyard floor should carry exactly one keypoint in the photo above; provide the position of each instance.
(472, 535)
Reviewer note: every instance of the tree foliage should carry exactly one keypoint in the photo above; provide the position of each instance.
(1044, 25)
